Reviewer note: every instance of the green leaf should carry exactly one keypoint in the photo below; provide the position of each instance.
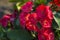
(57, 34)
(1, 32)
(41, 1)
(54, 25)
(18, 5)
(57, 19)
(19, 35)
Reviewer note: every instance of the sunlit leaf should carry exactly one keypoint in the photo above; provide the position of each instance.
(18, 7)
(57, 19)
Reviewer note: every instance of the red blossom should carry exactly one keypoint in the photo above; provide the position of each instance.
(31, 23)
(4, 20)
(46, 34)
(27, 7)
(29, 20)
(8, 18)
(40, 10)
(22, 18)
(45, 23)
(45, 15)
(40, 37)
(49, 13)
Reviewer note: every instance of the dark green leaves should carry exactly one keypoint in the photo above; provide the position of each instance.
(57, 19)
(19, 35)
(56, 25)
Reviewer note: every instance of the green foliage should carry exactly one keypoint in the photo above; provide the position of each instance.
(41, 1)
(57, 19)
(56, 25)
(19, 35)
(1, 32)
(57, 34)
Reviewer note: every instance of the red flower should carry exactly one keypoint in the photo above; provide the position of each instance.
(27, 7)
(28, 20)
(46, 34)
(40, 36)
(49, 35)
(45, 15)
(22, 18)
(40, 10)
(8, 18)
(46, 23)
(31, 23)
(4, 20)
(49, 13)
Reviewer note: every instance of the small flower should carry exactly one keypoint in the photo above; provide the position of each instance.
(51, 36)
(27, 7)
(5, 19)
(46, 23)
(31, 22)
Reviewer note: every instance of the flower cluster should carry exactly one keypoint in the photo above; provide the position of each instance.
(28, 19)
(43, 15)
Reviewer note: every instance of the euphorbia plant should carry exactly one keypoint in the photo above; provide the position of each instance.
(32, 20)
